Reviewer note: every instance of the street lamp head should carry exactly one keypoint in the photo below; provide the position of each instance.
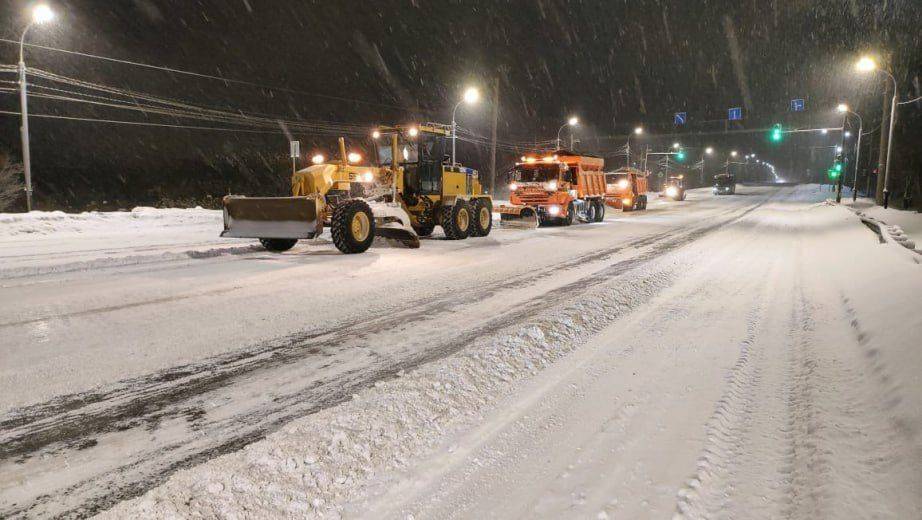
(375, 134)
(842, 108)
(638, 130)
(471, 96)
(866, 64)
(573, 121)
(733, 153)
(41, 13)
(709, 150)
(848, 134)
(824, 131)
(838, 149)
(676, 145)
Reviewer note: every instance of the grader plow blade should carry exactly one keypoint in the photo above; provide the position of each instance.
(270, 217)
(392, 222)
(517, 217)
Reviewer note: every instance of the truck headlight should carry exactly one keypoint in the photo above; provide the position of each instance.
(551, 186)
(671, 191)
(553, 211)
(623, 184)
(513, 187)
(367, 177)
(626, 201)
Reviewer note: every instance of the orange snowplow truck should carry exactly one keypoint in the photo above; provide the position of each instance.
(626, 188)
(560, 188)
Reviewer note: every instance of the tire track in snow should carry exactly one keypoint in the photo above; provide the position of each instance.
(706, 492)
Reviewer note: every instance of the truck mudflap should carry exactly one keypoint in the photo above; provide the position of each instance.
(271, 217)
(393, 222)
(517, 217)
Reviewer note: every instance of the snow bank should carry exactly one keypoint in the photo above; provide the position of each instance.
(55, 222)
(903, 227)
(44, 242)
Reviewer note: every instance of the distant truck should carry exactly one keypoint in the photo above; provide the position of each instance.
(626, 189)
(559, 187)
(724, 184)
(674, 187)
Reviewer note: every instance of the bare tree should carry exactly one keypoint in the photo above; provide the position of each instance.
(11, 185)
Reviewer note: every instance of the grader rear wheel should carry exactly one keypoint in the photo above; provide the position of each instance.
(483, 218)
(456, 220)
(352, 226)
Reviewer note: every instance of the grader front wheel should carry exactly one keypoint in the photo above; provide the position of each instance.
(352, 226)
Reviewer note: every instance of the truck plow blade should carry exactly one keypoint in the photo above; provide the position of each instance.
(517, 217)
(270, 217)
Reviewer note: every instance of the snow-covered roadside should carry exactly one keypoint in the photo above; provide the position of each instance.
(900, 226)
(43, 242)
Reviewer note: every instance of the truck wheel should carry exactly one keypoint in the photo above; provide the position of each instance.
(483, 218)
(456, 220)
(352, 226)
(643, 202)
(590, 211)
(424, 230)
(278, 245)
(599, 210)
(568, 220)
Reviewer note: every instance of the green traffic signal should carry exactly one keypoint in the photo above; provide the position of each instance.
(777, 134)
(838, 167)
(680, 156)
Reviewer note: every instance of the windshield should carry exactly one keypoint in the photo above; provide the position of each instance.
(537, 172)
(613, 178)
(723, 180)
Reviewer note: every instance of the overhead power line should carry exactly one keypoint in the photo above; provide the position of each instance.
(216, 78)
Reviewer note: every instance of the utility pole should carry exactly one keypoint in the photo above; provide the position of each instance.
(493, 145)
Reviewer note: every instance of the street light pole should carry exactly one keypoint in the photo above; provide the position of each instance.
(846, 111)
(24, 113)
(890, 139)
(454, 132)
(41, 13)
(471, 96)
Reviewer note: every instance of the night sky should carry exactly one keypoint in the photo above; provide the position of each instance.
(615, 64)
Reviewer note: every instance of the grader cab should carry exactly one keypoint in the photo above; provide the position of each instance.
(406, 195)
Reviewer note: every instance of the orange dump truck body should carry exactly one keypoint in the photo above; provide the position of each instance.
(626, 188)
(553, 185)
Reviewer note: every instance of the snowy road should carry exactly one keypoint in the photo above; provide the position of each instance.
(716, 357)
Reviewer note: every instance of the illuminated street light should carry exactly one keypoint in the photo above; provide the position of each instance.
(868, 64)
(842, 108)
(573, 121)
(376, 134)
(471, 96)
(41, 14)
(824, 131)
(709, 150)
(638, 130)
(733, 153)
(675, 146)
(847, 134)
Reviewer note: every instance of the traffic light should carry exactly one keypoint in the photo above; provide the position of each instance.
(680, 155)
(777, 134)
(836, 171)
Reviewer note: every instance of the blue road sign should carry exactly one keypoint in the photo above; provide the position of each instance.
(680, 118)
(735, 114)
(797, 105)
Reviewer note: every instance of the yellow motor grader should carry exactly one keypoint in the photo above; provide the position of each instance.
(412, 191)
